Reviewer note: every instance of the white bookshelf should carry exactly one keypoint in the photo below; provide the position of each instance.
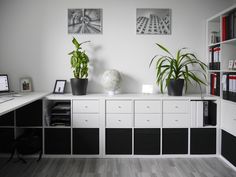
(227, 47)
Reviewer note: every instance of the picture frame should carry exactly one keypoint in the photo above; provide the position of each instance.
(59, 87)
(231, 64)
(85, 21)
(153, 21)
(234, 65)
(26, 84)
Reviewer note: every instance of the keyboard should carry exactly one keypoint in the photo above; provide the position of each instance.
(4, 99)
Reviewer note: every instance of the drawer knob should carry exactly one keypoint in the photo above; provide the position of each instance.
(86, 120)
(119, 107)
(86, 107)
(119, 120)
(176, 107)
(148, 120)
(148, 107)
(176, 120)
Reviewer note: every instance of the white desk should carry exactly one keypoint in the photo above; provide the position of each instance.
(18, 102)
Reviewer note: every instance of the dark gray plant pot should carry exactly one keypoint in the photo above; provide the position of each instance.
(79, 86)
(175, 88)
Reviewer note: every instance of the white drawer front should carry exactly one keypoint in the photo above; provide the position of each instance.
(228, 117)
(114, 106)
(86, 120)
(119, 120)
(150, 106)
(176, 120)
(175, 106)
(148, 120)
(85, 106)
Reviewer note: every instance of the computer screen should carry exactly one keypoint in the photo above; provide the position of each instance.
(4, 84)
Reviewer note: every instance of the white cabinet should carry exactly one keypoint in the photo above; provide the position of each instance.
(148, 113)
(119, 114)
(228, 117)
(108, 124)
(176, 114)
(86, 114)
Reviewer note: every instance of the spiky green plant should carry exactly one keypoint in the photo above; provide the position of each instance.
(79, 60)
(177, 66)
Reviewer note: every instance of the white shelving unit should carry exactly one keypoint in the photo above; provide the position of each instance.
(227, 47)
(227, 133)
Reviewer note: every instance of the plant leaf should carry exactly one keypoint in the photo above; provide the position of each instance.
(76, 43)
(163, 48)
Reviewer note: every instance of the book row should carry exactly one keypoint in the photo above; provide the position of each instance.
(215, 84)
(229, 86)
(229, 26)
(214, 58)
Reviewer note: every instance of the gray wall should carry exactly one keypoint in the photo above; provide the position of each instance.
(34, 40)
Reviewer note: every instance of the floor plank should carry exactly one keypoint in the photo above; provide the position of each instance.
(74, 167)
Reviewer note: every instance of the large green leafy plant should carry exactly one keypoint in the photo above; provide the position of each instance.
(79, 60)
(178, 66)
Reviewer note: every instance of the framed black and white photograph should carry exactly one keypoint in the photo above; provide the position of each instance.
(234, 65)
(59, 87)
(26, 84)
(153, 21)
(231, 64)
(85, 21)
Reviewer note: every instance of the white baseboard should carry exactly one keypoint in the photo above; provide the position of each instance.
(227, 162)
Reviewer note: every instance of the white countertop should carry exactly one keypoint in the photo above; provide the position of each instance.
(20, 101)
(27, 98)
(69, 96)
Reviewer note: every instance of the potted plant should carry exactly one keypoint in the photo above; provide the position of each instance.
(173, 71)
(79, 62)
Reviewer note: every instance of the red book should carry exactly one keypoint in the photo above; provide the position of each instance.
(223, 28)
(213, 80)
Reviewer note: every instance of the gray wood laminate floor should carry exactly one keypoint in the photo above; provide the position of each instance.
(180, 167)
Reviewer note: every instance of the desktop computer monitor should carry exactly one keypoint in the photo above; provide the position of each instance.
(4, 84)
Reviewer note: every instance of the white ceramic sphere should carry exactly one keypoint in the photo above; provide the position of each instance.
(111, 80)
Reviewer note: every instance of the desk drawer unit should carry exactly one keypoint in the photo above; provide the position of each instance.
(119, 107)
(176, 120)
(119, 120)
(150, 106)
(171, 106)
(86, 120)
(85, 106)
(148, 120)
